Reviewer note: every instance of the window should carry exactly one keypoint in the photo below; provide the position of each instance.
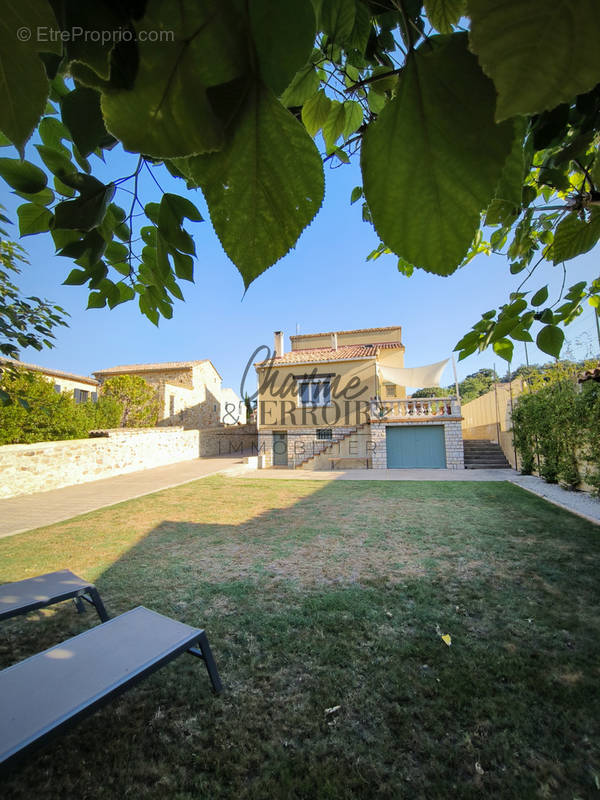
(171, 405)
(57, 388)
(390, 389)
(315, 392)
(80, 395)
(94, 397)
(324, 434)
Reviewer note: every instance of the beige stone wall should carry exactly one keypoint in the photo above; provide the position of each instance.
(225, 441)
(28, 468)
(67, 385)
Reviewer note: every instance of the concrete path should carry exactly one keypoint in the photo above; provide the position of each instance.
(28, 511)
(377, 474)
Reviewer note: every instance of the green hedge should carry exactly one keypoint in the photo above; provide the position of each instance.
(37, 413)
(557, 427)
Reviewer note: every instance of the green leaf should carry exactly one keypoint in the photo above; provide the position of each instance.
(168, 113)
(336, 19)
(333, 127)
(538, 54)
(510, 186)
(304, 85)
(116, 252)
(573, 236)
(540, 296)
(283, 35)
(357, 193)
(353, 117)
(315, 112)
(170, 218)
(82, 115)
(57, 162)
(433, 158)
(33, 218)
(43, 198)
(86, 212)
(184, 266)
(24, 85)
(96, 300)
(52, 132)
(264, 187)
(88, 20)
(22, 175)
(77, 277)
(550, 340)
(504, 348)
(443, 14)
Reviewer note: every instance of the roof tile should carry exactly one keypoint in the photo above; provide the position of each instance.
(324, 354)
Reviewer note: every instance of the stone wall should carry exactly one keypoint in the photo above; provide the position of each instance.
(229, 440)
(452, 435)
(28, 468)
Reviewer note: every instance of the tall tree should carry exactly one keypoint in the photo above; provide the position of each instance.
(470, 117)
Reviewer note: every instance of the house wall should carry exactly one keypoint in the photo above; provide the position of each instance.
(302, 342)
(233, 409)
(28, 468)
(281, 411)
(68, 385)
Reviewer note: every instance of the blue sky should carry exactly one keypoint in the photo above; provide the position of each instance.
(324, 284)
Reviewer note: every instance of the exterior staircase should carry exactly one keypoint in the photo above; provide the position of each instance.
(330, 447)
(484, 454)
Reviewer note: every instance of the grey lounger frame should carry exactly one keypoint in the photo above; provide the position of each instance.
(45, 590)
(43, 694)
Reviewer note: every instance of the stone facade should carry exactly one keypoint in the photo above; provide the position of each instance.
(225, 441)
(189, 392)
(28, 468)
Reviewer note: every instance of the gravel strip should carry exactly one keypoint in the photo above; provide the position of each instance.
(580, 503)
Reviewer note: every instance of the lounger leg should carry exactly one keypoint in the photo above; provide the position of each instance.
(79, 605)
(99, 605)
(206, 654)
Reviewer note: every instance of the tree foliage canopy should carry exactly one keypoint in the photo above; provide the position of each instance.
(138, 401)
(36, 413)
(476, 121)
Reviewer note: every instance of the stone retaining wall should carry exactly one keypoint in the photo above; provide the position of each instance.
(28, 468)
(229, 440)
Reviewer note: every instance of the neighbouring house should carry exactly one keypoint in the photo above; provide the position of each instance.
(189, 392)
(339, 399)
(589, 375)
(83, 388)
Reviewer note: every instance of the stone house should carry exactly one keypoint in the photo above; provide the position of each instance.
(330, 402)
(82, 387)
(189, 392)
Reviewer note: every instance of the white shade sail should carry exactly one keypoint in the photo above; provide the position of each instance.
(415, 377)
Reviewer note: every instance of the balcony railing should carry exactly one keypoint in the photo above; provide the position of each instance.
(418, 408)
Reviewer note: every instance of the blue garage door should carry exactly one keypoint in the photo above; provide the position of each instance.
(415, 446)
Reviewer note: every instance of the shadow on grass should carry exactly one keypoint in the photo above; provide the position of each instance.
(322, 615)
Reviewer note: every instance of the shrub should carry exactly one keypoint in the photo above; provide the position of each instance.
(556, 425)
(38, 413)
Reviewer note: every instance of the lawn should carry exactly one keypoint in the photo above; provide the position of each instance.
(324, 604)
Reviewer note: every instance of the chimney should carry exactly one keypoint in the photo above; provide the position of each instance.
(334, 341)
(278, 344)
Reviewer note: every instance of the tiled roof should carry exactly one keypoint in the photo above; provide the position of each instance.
(357, 330)
(590, 375)
(149, 367)
(57, 373)
(345, 352)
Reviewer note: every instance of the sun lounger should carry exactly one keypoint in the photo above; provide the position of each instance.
(50, 690)
(45, 590)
